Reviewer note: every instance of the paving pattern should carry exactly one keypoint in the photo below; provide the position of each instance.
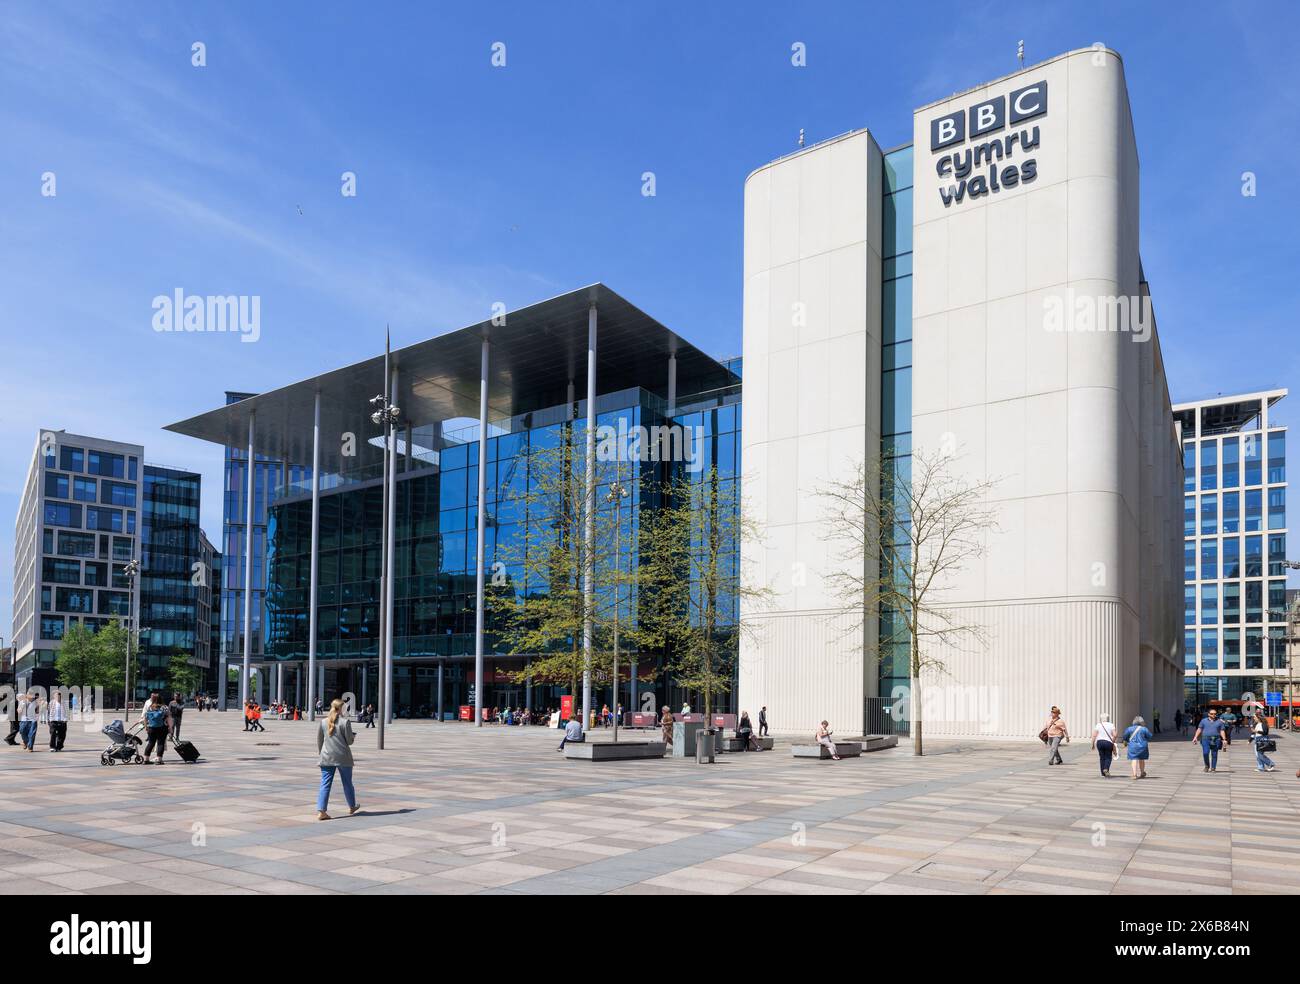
(447, 808)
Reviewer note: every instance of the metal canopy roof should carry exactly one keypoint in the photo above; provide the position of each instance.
(534, 355)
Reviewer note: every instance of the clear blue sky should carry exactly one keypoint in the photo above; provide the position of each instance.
(478, 184)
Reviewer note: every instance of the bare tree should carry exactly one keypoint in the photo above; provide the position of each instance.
(925, 522)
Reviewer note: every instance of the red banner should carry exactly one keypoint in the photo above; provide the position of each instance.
(466, 712)
(566, 707)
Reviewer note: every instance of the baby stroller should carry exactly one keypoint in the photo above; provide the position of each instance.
(125, 747)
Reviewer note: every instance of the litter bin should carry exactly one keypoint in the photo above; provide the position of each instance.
(705, 746)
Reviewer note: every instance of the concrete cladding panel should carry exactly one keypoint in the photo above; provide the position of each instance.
(811, 412)
(1030, 330)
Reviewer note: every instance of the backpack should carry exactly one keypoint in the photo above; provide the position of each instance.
(156, 717)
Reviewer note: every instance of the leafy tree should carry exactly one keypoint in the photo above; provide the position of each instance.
(113, 641)
(545, 490)
(690, 581)
(83, 662)
(184, 676)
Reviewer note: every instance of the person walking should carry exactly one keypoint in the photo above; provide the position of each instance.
(157, 722)
(1136, 737)
(1056, 732)
(762, 721)
(29, 715)
(1155, 720)
(56, 715)
(370, 715)
(1103, 742)
(174, 710)
(11, 713)
(1212, 734)
(823, 736)
(255, 711)
(1259, 735)
(666, 723)
(1179, 721)
(334, 738)
(572, 732)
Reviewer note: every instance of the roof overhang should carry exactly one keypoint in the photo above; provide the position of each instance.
(535, 352)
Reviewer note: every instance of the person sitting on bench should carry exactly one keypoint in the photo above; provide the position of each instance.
(572, 732)
(823, 737)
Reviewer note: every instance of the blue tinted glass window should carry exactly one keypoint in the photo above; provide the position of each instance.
(56, 485)
(1189, 561)
(1209, 464)
(1231, 602)
(1189, 650)
(1231, 519)
(1209, 604)
(1209, 559)
(1231, 462)
(898, 169)
(1277, 457)
(1254, 556)
(1189, 467)
(1254, 511)
(63, 514)
(1209, 649)
(897, 224)
(70, 459)
(1232, 649)
(1189, 515)
(1209, 514)
(1254, 467)
(896, 310)
(1189, 604)
(83, 489)
(1277, 508)
(1232, 557)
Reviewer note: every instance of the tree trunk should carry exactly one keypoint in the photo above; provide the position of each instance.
(914, 703)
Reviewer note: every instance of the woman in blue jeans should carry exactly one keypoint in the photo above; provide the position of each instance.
(334, 740)
(1258, 735)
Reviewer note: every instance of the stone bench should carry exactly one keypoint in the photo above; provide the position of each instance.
(609, 751)
(736, 745)
(845, 749)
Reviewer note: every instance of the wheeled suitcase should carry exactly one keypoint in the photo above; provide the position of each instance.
(186, 750)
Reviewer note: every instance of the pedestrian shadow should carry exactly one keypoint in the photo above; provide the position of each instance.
(383, 813)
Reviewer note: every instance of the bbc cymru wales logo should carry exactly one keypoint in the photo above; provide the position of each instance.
(996, 151)
(102, 938)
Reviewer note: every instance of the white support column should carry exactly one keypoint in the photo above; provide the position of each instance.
(391, 537)
(672, 385)
(279, 682)
(315, 561)
(297, 686)
(248, 570)
(441, 663)
(481, 524)
(589, 532)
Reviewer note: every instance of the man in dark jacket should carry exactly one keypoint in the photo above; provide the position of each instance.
(762, 720)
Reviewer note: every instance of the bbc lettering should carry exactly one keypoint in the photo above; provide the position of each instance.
(989, 116)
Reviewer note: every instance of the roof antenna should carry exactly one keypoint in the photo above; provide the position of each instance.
(800, 136)
(1020, 52)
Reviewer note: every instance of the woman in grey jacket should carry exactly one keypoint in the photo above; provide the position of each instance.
(334, 740)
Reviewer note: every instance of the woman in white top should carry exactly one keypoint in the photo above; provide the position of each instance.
(1103, 740)
(1259, 735)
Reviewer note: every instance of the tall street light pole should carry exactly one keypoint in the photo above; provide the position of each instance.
(131, 570)
(385, 413)
(617, 493)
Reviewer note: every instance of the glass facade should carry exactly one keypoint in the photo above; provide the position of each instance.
(1234, 548)
(896, 380)
(436, 540)
(168, 595)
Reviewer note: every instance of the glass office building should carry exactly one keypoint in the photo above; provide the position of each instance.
(646, 377)
(90, 507)
(1234, 546)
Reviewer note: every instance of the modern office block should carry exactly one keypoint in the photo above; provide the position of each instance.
(1016, 339)
(90, 507)
(534, 365)
(1234, 546)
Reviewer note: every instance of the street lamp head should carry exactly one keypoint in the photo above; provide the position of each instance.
(616, 491)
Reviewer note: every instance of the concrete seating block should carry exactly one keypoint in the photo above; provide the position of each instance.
(608, 751)
(846, 749)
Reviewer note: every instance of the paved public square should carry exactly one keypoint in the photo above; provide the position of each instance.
(448, 808)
